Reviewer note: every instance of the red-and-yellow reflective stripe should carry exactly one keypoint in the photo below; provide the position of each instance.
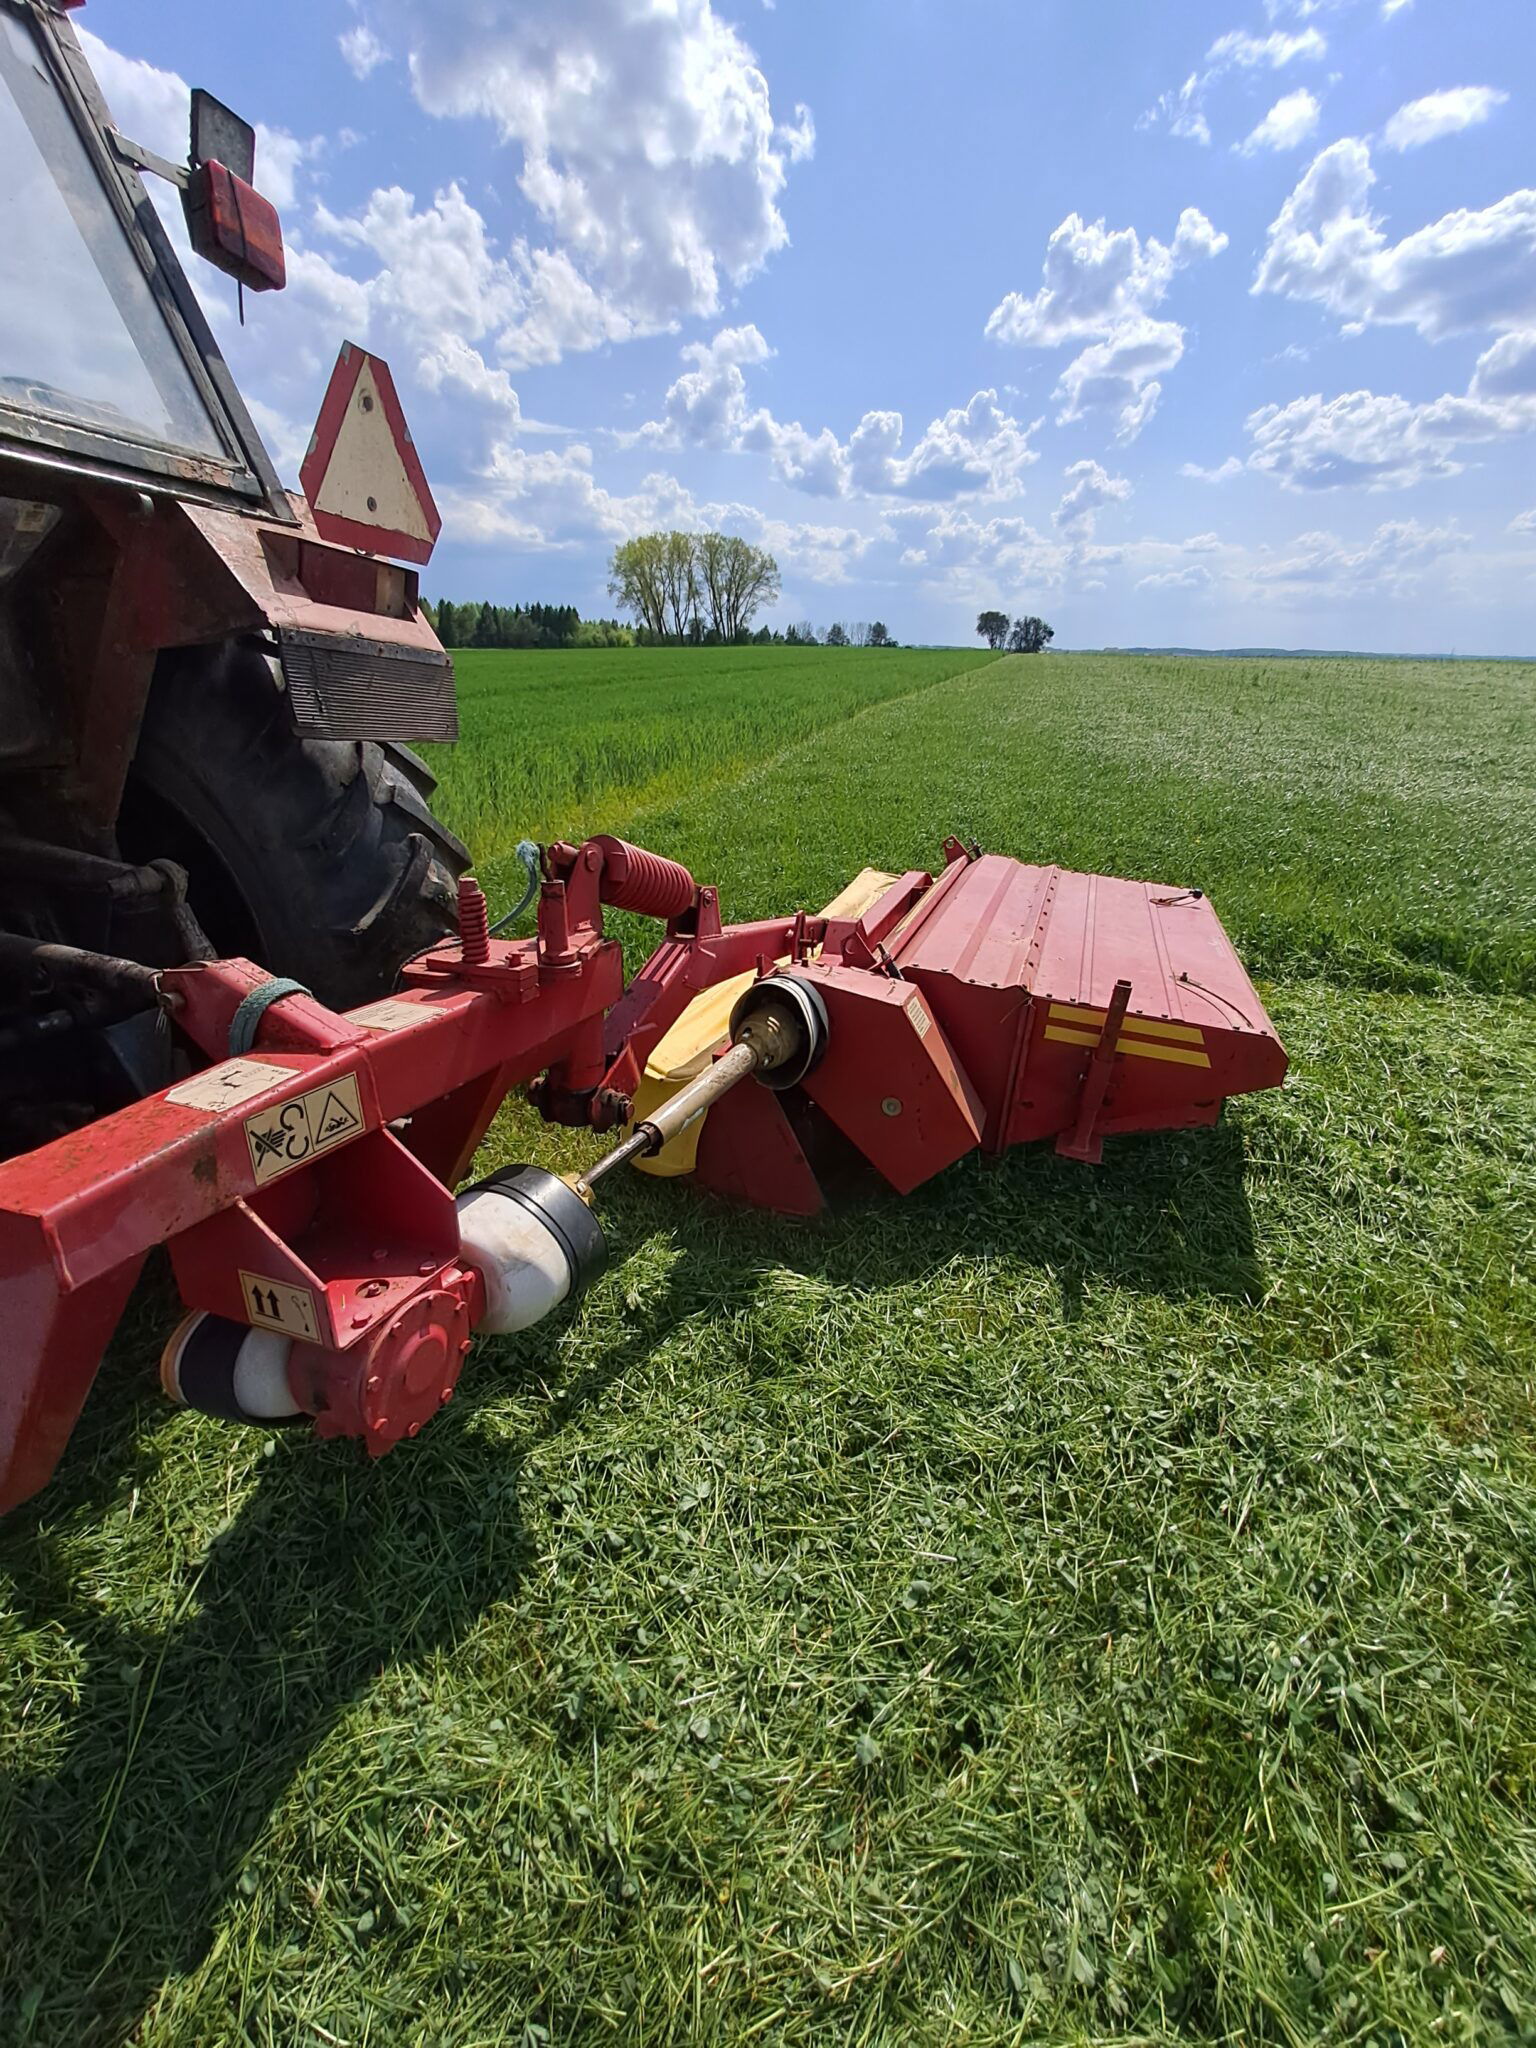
(1146, 1038)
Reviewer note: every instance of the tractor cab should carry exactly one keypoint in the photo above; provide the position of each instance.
(106, 362)
(206, 681)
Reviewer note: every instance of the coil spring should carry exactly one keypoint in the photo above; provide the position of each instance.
(646, 883)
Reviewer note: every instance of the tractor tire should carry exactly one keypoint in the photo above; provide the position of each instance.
(319, 859)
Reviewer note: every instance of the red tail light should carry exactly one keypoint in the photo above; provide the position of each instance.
(234, 227)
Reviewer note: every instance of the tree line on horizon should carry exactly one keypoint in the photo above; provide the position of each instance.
(503, 626)
(522, 625)
(682, 590)
(705, 589)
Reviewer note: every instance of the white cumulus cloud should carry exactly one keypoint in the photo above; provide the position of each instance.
(707, 404)
(1091, 489)
(1182, 110)
(1277, 48)
(1470, 269)
(974, 449)
(361, 48)
(1195, 577)
(1441, 113)
(1386, 442)
(1122, 374)
(1392, 559)
(1100, 285)
(647, 139)
(1286, 126)
(1095, 277)
(798, 137)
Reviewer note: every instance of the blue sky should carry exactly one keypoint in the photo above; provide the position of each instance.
(1209, 325)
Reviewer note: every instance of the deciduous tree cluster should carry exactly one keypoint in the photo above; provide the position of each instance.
(1027, 635)
(700, 587)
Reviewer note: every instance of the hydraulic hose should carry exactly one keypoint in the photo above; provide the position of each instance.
(530, 853)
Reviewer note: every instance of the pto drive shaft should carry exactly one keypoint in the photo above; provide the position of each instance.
(681, 1109)
(777, 1032)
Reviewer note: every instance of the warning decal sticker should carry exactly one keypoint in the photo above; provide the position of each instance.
(231, 1082)
(919, 1016)
(277, 1305)
(390, 1015)
(289, 1133)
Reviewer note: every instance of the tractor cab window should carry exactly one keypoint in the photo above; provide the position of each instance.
(82, 339)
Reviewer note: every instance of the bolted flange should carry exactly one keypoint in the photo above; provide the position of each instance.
(386, 1387)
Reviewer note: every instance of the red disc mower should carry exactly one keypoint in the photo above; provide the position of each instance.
(305, 1180)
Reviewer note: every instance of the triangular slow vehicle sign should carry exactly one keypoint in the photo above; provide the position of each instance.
(362, 475)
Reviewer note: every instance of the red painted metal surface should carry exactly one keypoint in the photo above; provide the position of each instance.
(647, 883)
(1018, 968)
(276, 1175)
(313, 1176)
(889, 1080)
(234, 228)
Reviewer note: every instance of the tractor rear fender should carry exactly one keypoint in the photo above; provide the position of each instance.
(129, 574)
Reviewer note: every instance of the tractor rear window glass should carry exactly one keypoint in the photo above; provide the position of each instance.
(81, 337)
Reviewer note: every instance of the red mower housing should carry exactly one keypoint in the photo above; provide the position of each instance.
(991, 1005)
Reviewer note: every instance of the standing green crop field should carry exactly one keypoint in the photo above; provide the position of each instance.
(1068, 1605)
(555, 741)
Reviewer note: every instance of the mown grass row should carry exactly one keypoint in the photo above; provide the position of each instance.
(1062, 1606)
(1375, 822)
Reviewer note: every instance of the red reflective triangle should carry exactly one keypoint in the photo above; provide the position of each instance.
(362, 476)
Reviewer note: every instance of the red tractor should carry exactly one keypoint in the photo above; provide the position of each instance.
(204, 684)
(252, 1010)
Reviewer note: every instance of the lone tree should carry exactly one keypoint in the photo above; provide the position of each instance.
(736, 578)
(1030, 636)
(993, 628)
(669, 580)
(635, 581)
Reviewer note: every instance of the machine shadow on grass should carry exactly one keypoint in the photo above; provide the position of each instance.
(1164, 1214)
(119, 1868)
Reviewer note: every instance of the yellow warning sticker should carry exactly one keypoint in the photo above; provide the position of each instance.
(290, 1133)
(1142, 1049)
(278, 1305)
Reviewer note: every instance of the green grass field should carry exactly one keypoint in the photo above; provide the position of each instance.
(1066, 1606)
(557, 741)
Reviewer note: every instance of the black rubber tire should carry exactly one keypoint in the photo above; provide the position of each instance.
(318, 858)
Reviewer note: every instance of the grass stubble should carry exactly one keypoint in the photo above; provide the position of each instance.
(1063, 1606)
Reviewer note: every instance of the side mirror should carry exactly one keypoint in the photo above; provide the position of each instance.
(220, 136)
(229, 222)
